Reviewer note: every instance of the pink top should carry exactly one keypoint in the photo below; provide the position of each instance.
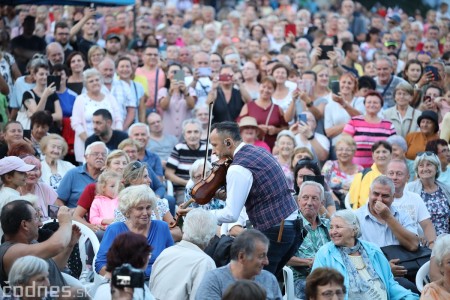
(102, 208)
(151, 79)
(262, 145)
(365, 135)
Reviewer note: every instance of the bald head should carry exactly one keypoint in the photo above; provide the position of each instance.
(55, 53)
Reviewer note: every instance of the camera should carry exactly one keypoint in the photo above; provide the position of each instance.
(127, 276)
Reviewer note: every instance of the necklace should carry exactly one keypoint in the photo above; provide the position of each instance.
(357, 262)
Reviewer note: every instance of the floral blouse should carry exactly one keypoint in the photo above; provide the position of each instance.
(439, 209)
(287, 173)
(335, 178)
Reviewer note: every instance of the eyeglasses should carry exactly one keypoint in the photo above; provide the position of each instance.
(97, 154)
(136, 165)
(344, 149)
(424, 52)
(425, 153)
(330, 294)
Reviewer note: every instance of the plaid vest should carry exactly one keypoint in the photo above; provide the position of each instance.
(269, 200)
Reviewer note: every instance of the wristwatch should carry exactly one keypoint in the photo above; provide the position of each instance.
(309, 104)
(311, 137)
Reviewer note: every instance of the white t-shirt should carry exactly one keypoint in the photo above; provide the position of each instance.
(413, 204)
(323, 141)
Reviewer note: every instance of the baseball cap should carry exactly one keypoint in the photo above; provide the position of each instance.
(13, 163)
(396, 18)
(113, 36)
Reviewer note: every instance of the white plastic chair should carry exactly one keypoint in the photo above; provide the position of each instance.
(288, 277)
(422, 276)
(347, 202)
(72, 281)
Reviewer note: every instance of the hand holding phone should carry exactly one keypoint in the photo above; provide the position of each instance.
(53, 211)
(335, 87)
(325, 49)
(290, 28)
(179, 75)
(56, 79)
(434, 71)
(302, 117)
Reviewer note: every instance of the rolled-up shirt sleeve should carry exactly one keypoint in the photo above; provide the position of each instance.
(239, 183)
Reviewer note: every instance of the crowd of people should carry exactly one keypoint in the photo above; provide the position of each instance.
(331, 119)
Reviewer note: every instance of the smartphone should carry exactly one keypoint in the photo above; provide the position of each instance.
(56, 79)
(290, 28)
(204, 72)
(53, 211)
(225, 77)
(302, 117)
(335, 87)
(319, 179)
(325, 50)
(179, 75)
(434, 70)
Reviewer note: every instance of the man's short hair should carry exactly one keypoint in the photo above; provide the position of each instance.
(245, 242)
(61, 24)
(139, 124)
(383, 180)
(90, 146)
(229, 129)
(13, 214)
(315, 184)
(106, 115)
(348, 46)
(191, 121)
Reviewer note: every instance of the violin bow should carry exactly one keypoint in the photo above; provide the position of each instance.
(207, 138)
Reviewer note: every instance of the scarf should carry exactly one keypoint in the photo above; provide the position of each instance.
(357, 284)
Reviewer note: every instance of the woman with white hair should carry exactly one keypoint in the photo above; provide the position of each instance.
(440, 289)
(367, 272)
(434, 192)
(136, 203)
(28, 278)
(84, 107)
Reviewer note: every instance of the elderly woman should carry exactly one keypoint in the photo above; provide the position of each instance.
(367, 272)
(307, 167)
(84, 107)
(116, 161)
(136, 203)
(324, 283)
(53, 168)
(249, 132)
(429, 127)
(28, 278)
(307, 136)
(403, 116)
(434, 193)
(119, 254)
(340, 173)
(368, 129)
(440, 289)
(44, 193)
(269, 116)
(285, 146)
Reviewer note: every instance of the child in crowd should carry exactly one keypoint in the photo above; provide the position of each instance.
(105, 202)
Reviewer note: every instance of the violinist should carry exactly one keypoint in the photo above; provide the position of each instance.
(255, 180)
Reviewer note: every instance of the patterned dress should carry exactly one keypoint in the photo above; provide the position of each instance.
(439, 209)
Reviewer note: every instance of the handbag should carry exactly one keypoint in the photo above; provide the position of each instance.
(412, 261)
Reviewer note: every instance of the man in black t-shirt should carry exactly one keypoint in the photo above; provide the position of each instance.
(103, 132)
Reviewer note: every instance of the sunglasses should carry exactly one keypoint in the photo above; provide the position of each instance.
(424, 52)
(136, 165)
(425, 153)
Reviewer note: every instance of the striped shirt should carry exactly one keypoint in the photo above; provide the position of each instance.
(182, 158)
(365, 135)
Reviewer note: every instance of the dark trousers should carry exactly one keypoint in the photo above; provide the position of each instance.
(280, 252)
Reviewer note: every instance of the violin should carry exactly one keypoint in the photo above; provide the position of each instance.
(205, 189)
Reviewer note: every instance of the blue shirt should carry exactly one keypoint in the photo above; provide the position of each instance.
(378, 233)
(158, 237)
(153, 162)
(73, 184)
(156, 185)
(66, 100)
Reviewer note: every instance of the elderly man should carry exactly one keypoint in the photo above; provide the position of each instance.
(75, 180)
(55, 53)
(20, 222)
(386, 81)
(184, 155)
(248, 257)
(410, 202)
(103, 132)
(310, 199)
(120, 90)
(140, 133)
(159, 143)
(199, 228)
(384, 225)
